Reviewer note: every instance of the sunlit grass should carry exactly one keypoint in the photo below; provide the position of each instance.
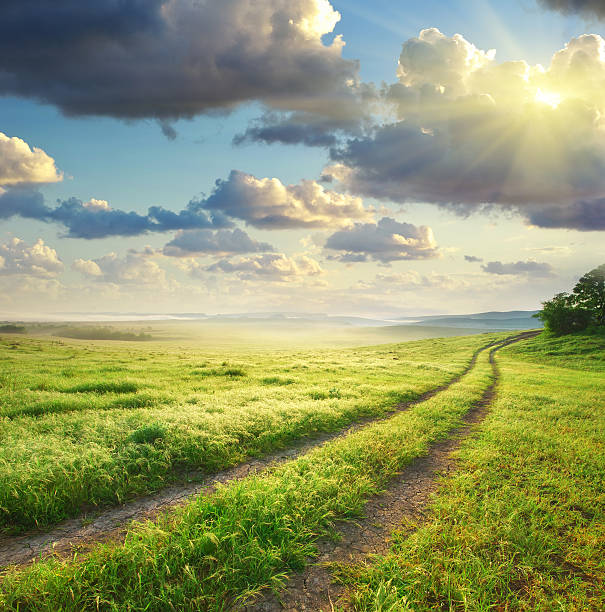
(71, 411)
(521, 524)
(247, 535)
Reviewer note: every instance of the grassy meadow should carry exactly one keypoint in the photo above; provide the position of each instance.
(88, 424)
(521, 524)
(518, 526)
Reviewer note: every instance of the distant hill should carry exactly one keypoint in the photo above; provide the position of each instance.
(514, 319)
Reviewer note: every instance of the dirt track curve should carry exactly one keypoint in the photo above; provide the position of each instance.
(111, 524)
(406, 498)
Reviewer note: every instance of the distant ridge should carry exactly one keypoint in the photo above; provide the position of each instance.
(496, 320)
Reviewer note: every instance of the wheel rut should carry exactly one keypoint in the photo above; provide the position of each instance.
(407, 498)
(83, 532)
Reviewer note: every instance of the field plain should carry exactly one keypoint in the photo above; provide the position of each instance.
(87, 424)
(518, 526)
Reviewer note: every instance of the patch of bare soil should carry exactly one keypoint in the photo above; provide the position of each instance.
(406, 499)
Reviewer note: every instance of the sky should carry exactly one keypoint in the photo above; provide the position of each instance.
(315, 156)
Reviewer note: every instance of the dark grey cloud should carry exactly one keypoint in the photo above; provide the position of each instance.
(83, 220)
(22, 202)
(519, 268)
(588, 8)
(194, 242)
(299, 128)
(472, 259)
(169, 59)
(351, 116)
(584, 216)
(385, 241)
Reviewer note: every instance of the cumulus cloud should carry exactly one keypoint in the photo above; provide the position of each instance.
(96, 218)
(39, 260)
(588, 8)
(221, 242)
(472, 258)
(469, 132)
(135, 268)
(529, 268)
(87, 267)
(21, 164)
(274, 267)
(264, 203)
(385, 241)
(168, 59)
(269, 204)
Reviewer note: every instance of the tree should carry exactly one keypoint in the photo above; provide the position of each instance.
(561, 316)
(589, 294)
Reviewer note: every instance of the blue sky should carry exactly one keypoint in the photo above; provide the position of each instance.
(132, 165)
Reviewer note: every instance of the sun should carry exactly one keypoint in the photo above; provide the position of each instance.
(550, 98)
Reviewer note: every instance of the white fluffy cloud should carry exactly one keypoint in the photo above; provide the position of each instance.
(268, 203)
(385, 241)
(20, 164)
(39, 260)
(135, 268)
(470, 131)
(274, 267)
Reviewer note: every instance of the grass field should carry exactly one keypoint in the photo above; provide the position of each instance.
(519, 525)
(91, 424)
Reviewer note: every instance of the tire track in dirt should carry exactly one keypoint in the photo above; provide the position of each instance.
(406, 498)
(83, 532)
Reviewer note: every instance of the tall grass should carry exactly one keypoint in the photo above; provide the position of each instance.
(249, 534)
(521, 524)
(69, 413)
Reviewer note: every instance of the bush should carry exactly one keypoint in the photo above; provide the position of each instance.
(560, 316)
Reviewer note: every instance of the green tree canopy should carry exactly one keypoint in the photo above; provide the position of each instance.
(566, 313)
(589, 293)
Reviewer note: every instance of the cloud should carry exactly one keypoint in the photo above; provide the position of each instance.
(269, 204)
(351, 116)
(22, 202)
(582, 215)
(472, 258)
(135, 268)
(384, 241)
(222, 242)
(274, 267)
(39, 260)
(170, 59)
(21, 164)
(470, 132)
(96, 219)
(588, 8)
(529, 268)
(87, 267)
(411, 280)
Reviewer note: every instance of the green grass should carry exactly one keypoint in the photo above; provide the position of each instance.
(521, 524)
(70, 413)
(248, 534)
